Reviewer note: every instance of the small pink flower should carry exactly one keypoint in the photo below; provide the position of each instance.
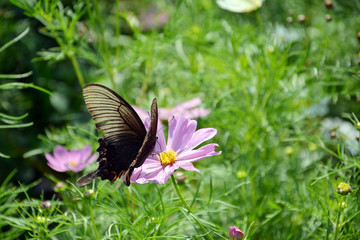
(187, 109)
(178, 152)
(74, 160)
(235, 233)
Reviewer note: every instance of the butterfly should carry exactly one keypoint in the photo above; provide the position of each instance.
(126, 144)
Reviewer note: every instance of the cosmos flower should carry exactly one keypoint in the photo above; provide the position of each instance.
(73, 160)
(179, 151)
(235, 233)
(187, 109)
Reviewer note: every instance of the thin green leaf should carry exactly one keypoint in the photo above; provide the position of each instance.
(2, 115)
(17, 85)
(16, 76)
(20, 36)
(20, 125)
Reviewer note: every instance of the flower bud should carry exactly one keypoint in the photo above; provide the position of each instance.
(328, 4)
(328, 17)
(332, 134)
(40, 219)
(180, 176)
(59, 187)
(89, 193)
(344, 188)
(343, 205)
(241, 174)
(289, 20)
(235, 233)
(46, 205)
(289, 150)
(301, 18)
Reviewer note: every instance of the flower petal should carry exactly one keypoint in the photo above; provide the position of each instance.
(74, 160)
(84, 154)
(181, 130)
(91, 159)
(142, 113)
(164, 113)
(196, 113)
(61, 154)
(188, 166)
(198, 154)
(192, 103)
(200, 136)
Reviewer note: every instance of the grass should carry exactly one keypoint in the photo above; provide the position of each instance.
(264, 81)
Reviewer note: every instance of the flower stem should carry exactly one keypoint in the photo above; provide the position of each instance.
(77, 69)
(93, 221)
(337, 226)
(188, 208)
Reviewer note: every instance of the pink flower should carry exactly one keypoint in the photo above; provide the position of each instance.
(74, 160)
(187, 109)
(235, 233)
(178, 152)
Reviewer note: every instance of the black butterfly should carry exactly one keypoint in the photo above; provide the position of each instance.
(126, 143)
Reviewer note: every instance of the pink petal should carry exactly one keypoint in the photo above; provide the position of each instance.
(141, 175)
(61, 154)
(50, 158)
(200, 136)
(57, 166)
(188, 166)
(196, 113)
(149, 166)
(187, 105)
(142, 113)
(181, 130)
(54, 163)
(163, 176)
(74, 155)
(164, 113)
(160, 142)
(91, 159)
(198, 154)
(84, 153)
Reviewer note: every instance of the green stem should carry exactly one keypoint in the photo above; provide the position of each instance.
(188, 208)
(77, 70)
(337, 227)
(93, 221)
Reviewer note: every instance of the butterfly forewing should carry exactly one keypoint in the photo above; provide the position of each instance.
(126, 143)
(112, 114)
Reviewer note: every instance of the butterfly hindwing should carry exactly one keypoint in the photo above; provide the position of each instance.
(126, 143)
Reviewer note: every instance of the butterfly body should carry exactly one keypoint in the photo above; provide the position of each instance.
(126, 143)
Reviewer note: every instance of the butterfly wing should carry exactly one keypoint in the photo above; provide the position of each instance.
(148, 144)
(124, 133)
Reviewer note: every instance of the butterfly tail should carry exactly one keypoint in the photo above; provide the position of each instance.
(86, 179)
(125, 178)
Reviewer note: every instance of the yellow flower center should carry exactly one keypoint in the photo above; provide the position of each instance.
(167, 157)
(73, 163)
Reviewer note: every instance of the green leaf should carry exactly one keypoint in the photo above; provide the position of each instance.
(17, 85)
(15, 39)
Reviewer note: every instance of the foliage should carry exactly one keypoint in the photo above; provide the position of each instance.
(272, 87)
